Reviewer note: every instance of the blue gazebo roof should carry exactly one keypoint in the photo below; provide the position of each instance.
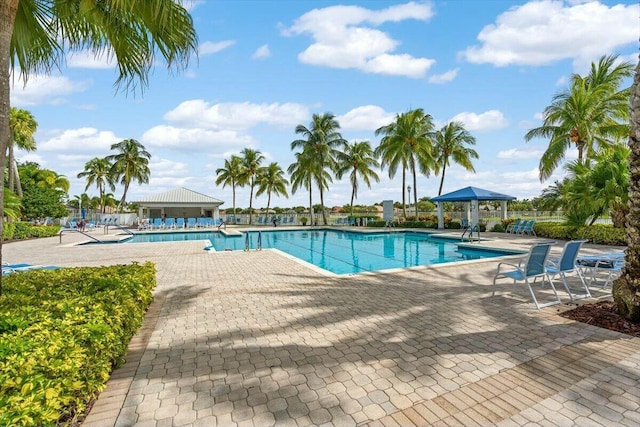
(471, 193)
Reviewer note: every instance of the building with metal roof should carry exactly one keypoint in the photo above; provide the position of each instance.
(179, 203)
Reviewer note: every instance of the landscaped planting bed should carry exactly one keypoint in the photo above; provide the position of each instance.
(61, 334)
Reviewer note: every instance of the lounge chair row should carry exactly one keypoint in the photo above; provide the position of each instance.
(176, 223)
(266, 220)
(522, 227)
(537, 265)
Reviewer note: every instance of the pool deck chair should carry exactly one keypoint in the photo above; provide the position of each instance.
(511, 228)
(191, 223)
(179, 222)
(528, 228)
(529, 269)
(565, 264)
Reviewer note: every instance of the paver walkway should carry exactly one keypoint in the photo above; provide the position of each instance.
(237, 338)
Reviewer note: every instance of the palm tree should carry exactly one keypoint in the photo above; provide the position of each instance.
(98, 171)
(626, 289)
(322, 140)
(251, 160)
(22, 127)
(130, 164)
(51, 179)
(450, 143)
(35, 40)
(359, 159)
(301, 174)
(230, 174)
(272, 181)
(408, 142)
(592, 112)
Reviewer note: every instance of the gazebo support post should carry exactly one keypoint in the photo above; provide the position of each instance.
(440, 216)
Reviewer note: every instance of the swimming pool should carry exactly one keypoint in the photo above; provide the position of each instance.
(343, 252)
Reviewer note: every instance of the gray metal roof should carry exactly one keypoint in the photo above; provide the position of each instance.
(180, 196)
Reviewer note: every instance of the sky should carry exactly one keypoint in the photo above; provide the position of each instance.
(263, 67)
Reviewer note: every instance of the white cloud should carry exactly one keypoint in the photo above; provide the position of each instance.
(444, 77)
(88, 59)
(209, 48)
(538, 116)
(80, 141)
(520, 153)
(546, 31)
(344, 39)
(489, 120)
(199, 113)
(50, 90)
(262, 52)
(193, 139)
(366, 117)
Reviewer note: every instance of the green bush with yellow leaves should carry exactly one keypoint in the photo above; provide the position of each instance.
(61, 334)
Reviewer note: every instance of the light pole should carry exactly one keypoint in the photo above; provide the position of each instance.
(409, 194)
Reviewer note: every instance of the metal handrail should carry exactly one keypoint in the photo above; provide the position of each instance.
(470, 229)
(106, 228)
(71, 230)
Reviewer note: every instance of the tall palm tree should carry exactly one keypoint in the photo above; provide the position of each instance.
(301, 174)
(251, 160)
(358, 159)
(321, 140)
(36, 34)
(626, 289)
(230, 174)
(98, 171)
(272, 181)
(131, 163)
(591, 113)
(450, 142)
(408, 142)
(22, 127)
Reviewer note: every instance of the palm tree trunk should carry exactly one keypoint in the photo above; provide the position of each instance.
(626, 289)
(268, 202)
(8, 10)
(415, 191)
(404, 200)
(251, 203)
(324, 214)
(353, 195)
(310, 205)
(16, 174)
(444, 167)
(233, 190)
(124, 197)
(10, 163)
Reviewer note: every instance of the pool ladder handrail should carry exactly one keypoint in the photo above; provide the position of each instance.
(390, 225)
(74, 230)
(471, 229)
(247, 242)
(106, 228)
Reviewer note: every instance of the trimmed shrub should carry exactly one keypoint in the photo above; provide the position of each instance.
(597, 234)
(61, 334)
(26, 230)
(453, 225)
(498, 228)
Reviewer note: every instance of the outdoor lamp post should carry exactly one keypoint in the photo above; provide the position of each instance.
(409, 194)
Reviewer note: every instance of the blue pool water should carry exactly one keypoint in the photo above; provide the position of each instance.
(343, 252)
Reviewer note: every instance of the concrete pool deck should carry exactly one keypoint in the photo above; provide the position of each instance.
(256, 338)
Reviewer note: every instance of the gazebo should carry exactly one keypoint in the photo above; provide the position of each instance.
(471, 195)
(179, 203)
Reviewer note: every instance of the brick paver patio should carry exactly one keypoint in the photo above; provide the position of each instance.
(257, 339)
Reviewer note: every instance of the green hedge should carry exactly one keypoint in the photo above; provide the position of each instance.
(26, 230)
(61, 334)
(597, 234)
